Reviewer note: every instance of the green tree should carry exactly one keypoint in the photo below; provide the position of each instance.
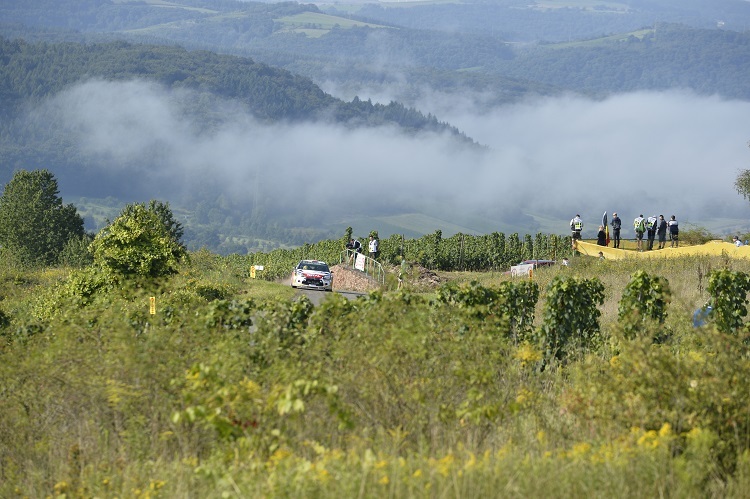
(141, 242)
(34, 223)
(742, 184)
(162, 210)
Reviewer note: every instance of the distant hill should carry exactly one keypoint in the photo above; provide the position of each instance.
(219, 62)
(552, 21)
(33, 72)
(498, 48)
(210, 90)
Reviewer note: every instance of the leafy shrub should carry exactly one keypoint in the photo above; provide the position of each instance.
(76, 252)
(728, 290)
(519, 302)
(645, 298)
(138, 243)
(571, 316)
(478, 303)
(697, 235)
(232, 314)
(705, 391)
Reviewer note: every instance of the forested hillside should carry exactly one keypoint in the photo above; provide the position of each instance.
(696, 44)
(35, 71)
(671, 56)
(209, 88)
(524, 21)
(218, 65)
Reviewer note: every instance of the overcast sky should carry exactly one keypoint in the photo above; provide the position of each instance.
(651, 153)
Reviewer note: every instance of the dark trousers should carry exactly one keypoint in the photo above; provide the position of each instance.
(616, 237)
(651, 236)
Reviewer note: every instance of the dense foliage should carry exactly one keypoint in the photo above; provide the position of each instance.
(706, 61)
(571, 316)
(142, 241)
(728, 291)
(644, 300)
(742, 184)
(35, 225)
(427, 44)
(459, 252)
(232, 388)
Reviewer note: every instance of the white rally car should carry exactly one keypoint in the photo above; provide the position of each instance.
(312, 274)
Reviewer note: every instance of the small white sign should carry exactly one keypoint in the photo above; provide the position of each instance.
(521, 270)
(359, 264)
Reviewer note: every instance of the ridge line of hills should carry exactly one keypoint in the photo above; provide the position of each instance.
(283, 63)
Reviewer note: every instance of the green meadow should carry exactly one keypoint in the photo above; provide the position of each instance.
(236, 387)
(318, 24)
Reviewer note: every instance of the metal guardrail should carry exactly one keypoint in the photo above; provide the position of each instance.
(363, 263)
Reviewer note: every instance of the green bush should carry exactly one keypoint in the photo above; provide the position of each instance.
(571, 316)
(645, 299)
(697, 235)
(693, 391)
(728, 290)
(138, 243)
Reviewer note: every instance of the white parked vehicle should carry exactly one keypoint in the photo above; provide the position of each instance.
(312, 274)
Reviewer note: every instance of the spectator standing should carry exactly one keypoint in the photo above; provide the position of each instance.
(350, 250)
(661, 231)
(616, 225)
(373, 246)
(639, 224)
(674, 231)
(601, 237)
(402, 273)
(651, 231)
(576, 227)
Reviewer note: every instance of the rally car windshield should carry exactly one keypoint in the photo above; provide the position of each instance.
(316, 267)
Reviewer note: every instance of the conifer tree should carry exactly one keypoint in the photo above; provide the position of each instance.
(34, 223)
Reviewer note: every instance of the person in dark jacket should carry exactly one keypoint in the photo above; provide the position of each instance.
(616, 226)
(661, 231)
(601, 237)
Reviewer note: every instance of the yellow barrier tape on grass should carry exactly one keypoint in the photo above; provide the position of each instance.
(716, 248)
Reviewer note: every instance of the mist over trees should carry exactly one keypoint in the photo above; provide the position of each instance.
(214, 66)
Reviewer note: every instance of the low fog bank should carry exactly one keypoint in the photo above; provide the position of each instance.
(651, 153)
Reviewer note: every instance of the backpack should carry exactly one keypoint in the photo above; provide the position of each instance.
(640, 225)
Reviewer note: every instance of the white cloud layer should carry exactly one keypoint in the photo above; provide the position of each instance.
(651, 153)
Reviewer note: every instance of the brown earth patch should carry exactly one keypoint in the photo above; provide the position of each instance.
(348, 279)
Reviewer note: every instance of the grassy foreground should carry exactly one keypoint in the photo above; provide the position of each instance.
(234, 389)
